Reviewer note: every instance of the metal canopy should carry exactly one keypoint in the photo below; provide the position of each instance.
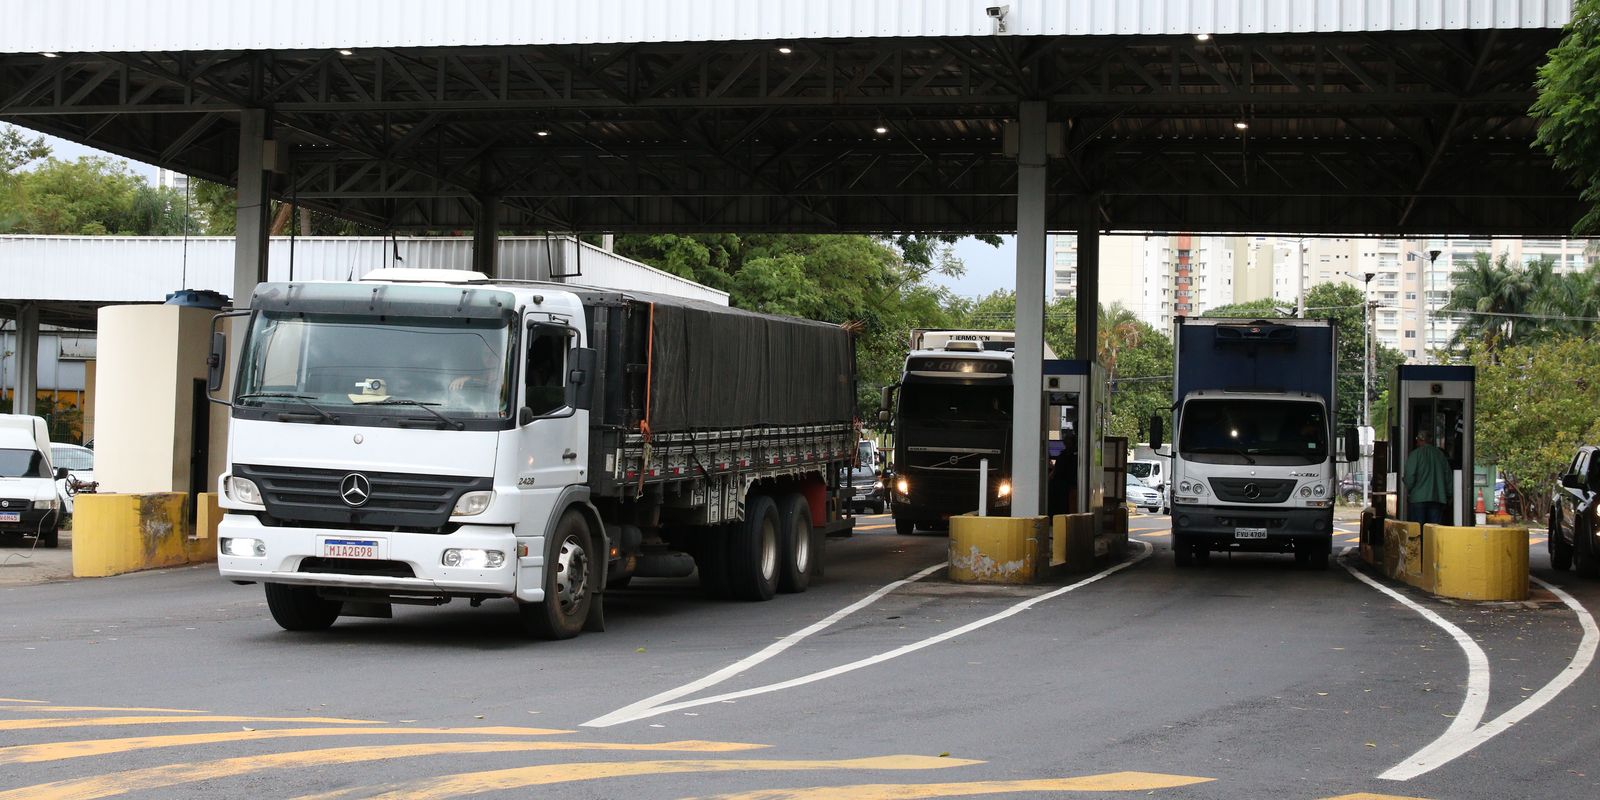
(1419, 132)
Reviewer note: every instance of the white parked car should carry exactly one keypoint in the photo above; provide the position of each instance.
(79, 463)
(1143, 496)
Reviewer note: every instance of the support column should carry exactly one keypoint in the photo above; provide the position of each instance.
(486, 236)
(1027, 404)
(250, 217)
(1086, 347)
(27, 360)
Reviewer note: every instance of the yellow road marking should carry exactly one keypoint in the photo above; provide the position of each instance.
(521, 777)
(1110, 782)
(135, 780)
(873, 527)
(15, 700)
(1152, 534)
(96, 722)
(54, 709)
(1370, 796)
(56, 751)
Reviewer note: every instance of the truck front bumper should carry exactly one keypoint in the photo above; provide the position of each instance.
(407, 563)
(1236, 527)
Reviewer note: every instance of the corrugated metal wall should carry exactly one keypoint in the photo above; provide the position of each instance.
(131, 25)
(146, 268)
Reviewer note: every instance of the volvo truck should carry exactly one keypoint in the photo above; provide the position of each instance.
(423, 436)
(951, 418)
(1252, 457)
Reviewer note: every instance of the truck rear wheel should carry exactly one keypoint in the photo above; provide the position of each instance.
(1182, 551)
(568, 590)
(753, 553)
(794, 518)
(51, 538)
(299, 608)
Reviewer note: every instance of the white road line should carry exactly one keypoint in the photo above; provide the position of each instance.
(634, 711)
(638, 713)
(1450, 747)
(1476, 702)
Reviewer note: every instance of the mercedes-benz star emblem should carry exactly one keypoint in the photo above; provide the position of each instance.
(1251, 490)
(355, 489)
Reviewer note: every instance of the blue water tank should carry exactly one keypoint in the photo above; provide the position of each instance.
(198, 298)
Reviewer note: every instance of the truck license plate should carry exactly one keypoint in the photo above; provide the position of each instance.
(10, 516)
(1249, 533)
(350, 548)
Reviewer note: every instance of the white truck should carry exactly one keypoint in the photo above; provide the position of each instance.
(29, 502)
(426, 435)
(1252, 456)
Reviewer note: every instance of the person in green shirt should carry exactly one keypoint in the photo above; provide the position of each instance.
(1427, 478)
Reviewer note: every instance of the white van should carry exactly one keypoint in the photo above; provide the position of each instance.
(1152, 473)
(29, 504)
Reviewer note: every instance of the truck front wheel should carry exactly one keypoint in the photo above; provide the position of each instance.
(753, 555)
(299, 608)
(567, 589)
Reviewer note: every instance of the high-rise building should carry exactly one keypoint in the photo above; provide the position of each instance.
(172, 180)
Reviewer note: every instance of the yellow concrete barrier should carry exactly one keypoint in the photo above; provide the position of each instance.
(1072, 538)
(997, 549)
(117, 533)
(1478, 563)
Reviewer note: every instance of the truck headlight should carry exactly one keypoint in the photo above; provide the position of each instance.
(903, 486)
(472, 504)
(1319, 490)
(468, 558)
(1305, 491)
(242, 548)
(877, 484)
(1200, 488)
(1004, 489)
(47, 505)
(243, 490)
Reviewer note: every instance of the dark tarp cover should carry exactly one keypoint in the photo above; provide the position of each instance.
(720, 367)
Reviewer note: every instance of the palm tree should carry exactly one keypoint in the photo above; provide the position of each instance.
(1486, 287)
(1117, 328)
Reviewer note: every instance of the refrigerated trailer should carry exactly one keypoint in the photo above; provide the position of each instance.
(422, 436)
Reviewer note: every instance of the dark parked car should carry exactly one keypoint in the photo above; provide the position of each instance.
(866, 485)
(1574, 538)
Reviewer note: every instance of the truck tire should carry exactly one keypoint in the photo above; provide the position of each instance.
(794, 544)
(754, 555)
(1182, 552)
(1560, 548)
(298, 608)
(905, 527)
(1315, 556)
(568, 581)
(711, 561)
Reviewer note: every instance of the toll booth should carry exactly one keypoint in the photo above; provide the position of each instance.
(1074, 397)
(1436, 401)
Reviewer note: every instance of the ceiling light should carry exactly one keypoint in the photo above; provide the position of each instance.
(786, 50)
(49, 55)
(1202, 37)
(541, 133)
(346, 52)
(881, 129)
(1241, 124)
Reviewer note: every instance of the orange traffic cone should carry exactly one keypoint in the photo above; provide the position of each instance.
(1479, 509)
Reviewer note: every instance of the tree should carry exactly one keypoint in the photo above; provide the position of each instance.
(1568, 107)
(1535, 404)
(18, 151)
(91, 195)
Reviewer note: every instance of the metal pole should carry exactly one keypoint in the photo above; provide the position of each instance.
(983, 488)
(1027, 413)
(1366, 389)
(250, 215)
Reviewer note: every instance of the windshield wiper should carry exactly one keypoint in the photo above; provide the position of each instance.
(303, 398)
(400, 401)
(1235, 451)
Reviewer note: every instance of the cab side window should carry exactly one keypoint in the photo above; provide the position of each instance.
(546, 371)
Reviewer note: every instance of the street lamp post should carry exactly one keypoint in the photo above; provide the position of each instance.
(1366, 381)
(1433, 257)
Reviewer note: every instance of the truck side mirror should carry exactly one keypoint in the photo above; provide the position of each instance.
(216, 361)
(579, 383)
(883, 416)
(1155, 431)
(1352, 445)
(885, 402)
(61, 473)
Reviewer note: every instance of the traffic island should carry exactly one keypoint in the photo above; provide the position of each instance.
(1465, 563)
(117, 533)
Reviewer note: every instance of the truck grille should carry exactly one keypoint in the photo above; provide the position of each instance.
(396, 501)
(357, 566)
(1238, 490)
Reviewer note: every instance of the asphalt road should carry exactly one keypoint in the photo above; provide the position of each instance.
(1245, 678)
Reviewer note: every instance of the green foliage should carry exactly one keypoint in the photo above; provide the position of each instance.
(1568, 107)
(91, 195)
(1535, 405)
(1254, 309)
(1495, 294)
(18, 151)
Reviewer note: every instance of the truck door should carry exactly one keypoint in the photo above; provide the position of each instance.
(552, 444)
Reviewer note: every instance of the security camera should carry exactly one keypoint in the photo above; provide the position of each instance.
(998, 14)
(996, 11)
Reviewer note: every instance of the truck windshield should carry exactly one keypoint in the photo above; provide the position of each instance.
(1269, 432)
(928, 403)
(1139, 469)
(21, 464)
(320, 363)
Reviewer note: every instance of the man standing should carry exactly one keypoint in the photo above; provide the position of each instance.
(1427, 480)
